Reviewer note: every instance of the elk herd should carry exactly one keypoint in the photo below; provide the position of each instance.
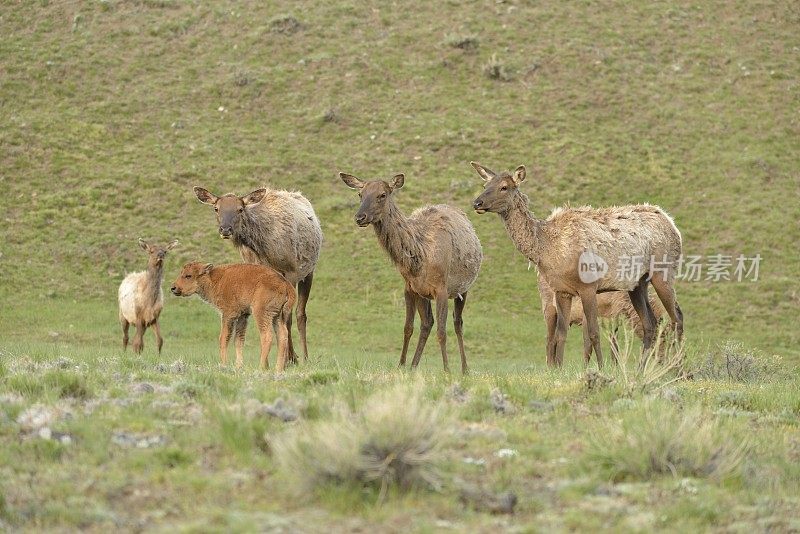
(438, 254)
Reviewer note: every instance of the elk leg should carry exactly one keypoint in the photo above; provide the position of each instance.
(138, 338)
(157, 332)
(240, 329)
(281, 332)
(292, 353)
(458, 324)
(265, 326)
(638, 298)
(408, 329)
(666, 293)
(563, 308)
(224, 337)
(426, 318)
(588, 297)
(303, 292)
(441, 326)
(587, 343)
(550, 319)
(125, 326)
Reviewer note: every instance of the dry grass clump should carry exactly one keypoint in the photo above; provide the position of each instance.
(657, 439)
(394, 439)
(285, 24)
(467, 43)
(732, 361)
(495, 69)
(664, 364)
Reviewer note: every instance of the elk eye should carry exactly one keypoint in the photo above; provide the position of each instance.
(216, 209)
(241, 210)
(187, 276)
(383, 195)
(504, 188)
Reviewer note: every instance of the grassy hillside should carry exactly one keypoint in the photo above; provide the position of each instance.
(113, 110)
(110, 111)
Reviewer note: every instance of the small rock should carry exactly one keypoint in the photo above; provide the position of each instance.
(38, 416)
(506, 453)
(48, 434)
(10, 398)
(485, 501)
(687, 485)
(500, 402)
(330, 116)
(458, 394)
(469, 460)
(62, 363)
(140, 388)
(139, 441)
(281, 410)
(285, 24)
(670, 394)
(594, 379)
(541, 406)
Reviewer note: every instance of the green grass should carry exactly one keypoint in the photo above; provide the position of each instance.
(111, 111)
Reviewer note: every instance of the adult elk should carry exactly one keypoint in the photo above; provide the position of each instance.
(274, 228)
(436, 251)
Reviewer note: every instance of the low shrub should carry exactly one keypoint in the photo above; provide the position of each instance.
(732, 361)
(394, 439)
(658, 439)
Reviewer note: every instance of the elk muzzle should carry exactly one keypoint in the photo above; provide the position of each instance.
(478, 206)
(362, 220)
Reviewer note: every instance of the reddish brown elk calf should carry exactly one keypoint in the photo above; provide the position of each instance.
(238, 291)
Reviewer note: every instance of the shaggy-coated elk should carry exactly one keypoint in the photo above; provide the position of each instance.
(274, 228)
(583, 251)
(436, 251)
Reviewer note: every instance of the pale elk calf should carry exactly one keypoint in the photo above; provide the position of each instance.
(141, 298)
(238, 291)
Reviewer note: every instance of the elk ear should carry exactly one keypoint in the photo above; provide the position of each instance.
(144, 245)
(398, 181)
(173, 244)
(351, 181)
(204, 196)
(483, 172)
(255, 197)
(519, 174)
(207, 268)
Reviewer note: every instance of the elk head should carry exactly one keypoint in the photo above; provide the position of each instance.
(156, 253)
(374, 196)
(229, 208)
(188, 280)
(498, 189)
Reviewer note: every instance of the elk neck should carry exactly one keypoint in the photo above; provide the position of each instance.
(524, 228)
(400, 239)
